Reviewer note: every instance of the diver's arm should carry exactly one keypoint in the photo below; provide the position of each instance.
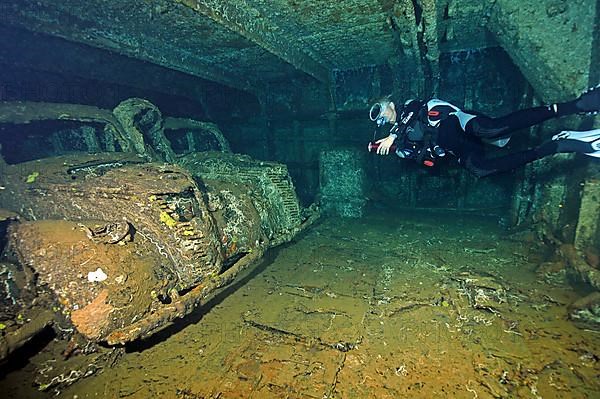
(385, 144)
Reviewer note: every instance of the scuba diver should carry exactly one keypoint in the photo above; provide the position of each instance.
(427, 131)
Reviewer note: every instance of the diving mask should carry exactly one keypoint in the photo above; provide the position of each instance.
(376, 114)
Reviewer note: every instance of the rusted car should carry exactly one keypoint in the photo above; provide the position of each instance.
(119, 242)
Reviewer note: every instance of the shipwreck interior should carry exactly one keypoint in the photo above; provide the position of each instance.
(187, 182)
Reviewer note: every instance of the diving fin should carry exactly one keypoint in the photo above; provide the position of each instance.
(589, 101)
(591, 138)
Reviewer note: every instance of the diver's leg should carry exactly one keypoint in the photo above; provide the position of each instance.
(482, 167)
(486, 127)
(587, 143)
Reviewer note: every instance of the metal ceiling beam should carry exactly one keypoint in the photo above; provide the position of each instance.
(257, 26)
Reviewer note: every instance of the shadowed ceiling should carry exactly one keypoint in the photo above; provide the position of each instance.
(249, 44)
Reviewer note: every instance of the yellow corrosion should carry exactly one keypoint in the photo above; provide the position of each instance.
(167, 219)
(31, 178)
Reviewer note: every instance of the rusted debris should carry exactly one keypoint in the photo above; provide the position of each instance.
(179, 308)
(108, 233)
(579, 266)
(586, 311)
(406, 308)
(341, 346)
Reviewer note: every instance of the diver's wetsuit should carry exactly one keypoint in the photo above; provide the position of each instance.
(461, 134)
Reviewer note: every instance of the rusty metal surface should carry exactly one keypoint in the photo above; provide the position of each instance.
(62, 257)
(19, 112)
(198, 130)
(29, 111)
(145, 227)
(135, 124)
(161, 202)
(237, 182)
(123, 245)
(127, 246)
